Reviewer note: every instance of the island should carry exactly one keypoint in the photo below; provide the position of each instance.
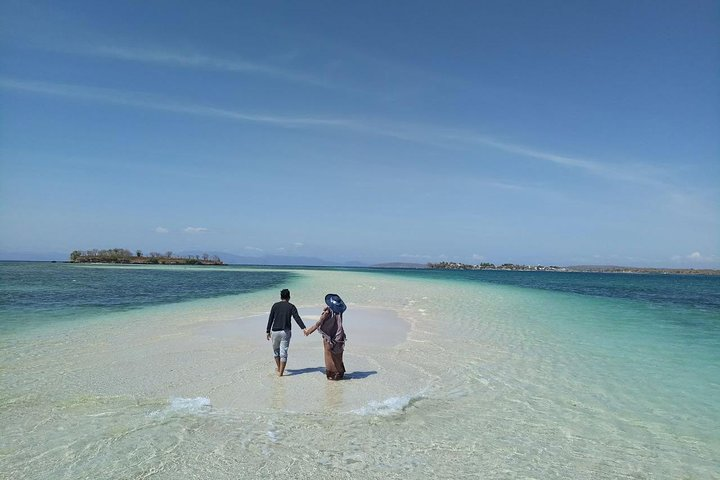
(124, 256)
(576, 268)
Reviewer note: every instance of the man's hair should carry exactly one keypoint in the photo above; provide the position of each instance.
(284, 294)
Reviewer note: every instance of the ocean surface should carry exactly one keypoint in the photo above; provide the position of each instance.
(163, 372)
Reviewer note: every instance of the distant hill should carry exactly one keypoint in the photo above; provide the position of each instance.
(621, 269)
(279, 260)
(400, 265)
(33, 256)
(596, 268)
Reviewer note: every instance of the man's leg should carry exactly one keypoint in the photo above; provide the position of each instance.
(276, 339)
(284, 344)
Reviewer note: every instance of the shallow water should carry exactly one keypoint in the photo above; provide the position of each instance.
(490, 380)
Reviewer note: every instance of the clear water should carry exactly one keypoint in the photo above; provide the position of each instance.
(502, 375)
(46, 292)
(692, 291)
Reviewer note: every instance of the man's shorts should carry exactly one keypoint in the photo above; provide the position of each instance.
(281, 342)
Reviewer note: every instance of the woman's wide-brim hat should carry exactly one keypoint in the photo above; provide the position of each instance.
(335, 303)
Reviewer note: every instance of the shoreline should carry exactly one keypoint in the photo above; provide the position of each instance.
(605, 269)
(457, 377)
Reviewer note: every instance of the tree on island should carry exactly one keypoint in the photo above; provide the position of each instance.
(124, 256)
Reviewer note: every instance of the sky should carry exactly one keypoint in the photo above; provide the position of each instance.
(535, 132)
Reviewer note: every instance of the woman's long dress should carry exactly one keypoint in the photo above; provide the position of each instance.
(331, 328)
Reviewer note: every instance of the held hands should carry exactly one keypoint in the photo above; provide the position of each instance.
(309, 331)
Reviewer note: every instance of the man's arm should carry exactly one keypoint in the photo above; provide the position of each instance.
(297, 318)
(270, 320)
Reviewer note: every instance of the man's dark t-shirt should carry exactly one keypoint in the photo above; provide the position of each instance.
(280, 314)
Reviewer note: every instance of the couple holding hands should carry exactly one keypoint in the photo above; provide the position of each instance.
(330, 327)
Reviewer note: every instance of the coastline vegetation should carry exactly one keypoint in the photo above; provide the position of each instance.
(577, 268)
(124, 256)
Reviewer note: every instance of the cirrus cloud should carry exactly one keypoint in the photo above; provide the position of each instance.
(195, 230)
(696, 257)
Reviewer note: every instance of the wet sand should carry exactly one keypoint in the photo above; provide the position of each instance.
(228, 361)
(529, 389)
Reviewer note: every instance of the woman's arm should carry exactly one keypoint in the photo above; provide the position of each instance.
(310, 330)
(323, 316)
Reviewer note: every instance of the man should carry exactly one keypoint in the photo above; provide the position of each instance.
(279, 323)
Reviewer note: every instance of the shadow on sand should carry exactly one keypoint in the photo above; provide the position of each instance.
(300, 371)
(359, 375)
(348, 375)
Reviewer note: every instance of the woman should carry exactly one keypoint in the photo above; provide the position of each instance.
(331, 328)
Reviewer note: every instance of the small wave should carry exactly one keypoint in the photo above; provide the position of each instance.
(187, 406)
(190, 405)
(390, 406)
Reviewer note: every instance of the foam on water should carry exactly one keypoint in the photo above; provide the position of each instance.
(184, 406)
(389, 406)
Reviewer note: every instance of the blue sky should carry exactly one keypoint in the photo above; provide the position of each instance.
(521, 131)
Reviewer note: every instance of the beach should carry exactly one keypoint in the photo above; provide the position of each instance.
(446, 378)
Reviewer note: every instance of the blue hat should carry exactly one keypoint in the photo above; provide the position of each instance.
(335, 303)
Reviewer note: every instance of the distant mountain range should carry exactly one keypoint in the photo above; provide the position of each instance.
(284, 260)
(300, 261)
(400, 265)
(305, 261)
(227, 258)
(34, 257)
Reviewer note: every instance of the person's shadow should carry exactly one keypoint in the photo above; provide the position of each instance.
(359, 375)
(300, 371)
(348, 375)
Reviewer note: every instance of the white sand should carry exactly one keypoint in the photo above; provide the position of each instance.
(230, 362)
(189, 391)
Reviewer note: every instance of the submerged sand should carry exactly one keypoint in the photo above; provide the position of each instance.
(227, 360)
(445, 380)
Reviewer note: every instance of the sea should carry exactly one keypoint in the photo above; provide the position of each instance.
(164, 372)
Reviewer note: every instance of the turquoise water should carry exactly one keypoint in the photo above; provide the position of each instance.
(503, 375)
(59, 288)
(32, 293)
(692, 291)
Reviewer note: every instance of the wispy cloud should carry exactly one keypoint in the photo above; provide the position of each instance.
(141, 100)
(161, 230)
(637, 174)
(438, 137)
(696, 258)
(199, 61)
(254, 249)
(503, 185)
(195, 230)
(459, 139)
